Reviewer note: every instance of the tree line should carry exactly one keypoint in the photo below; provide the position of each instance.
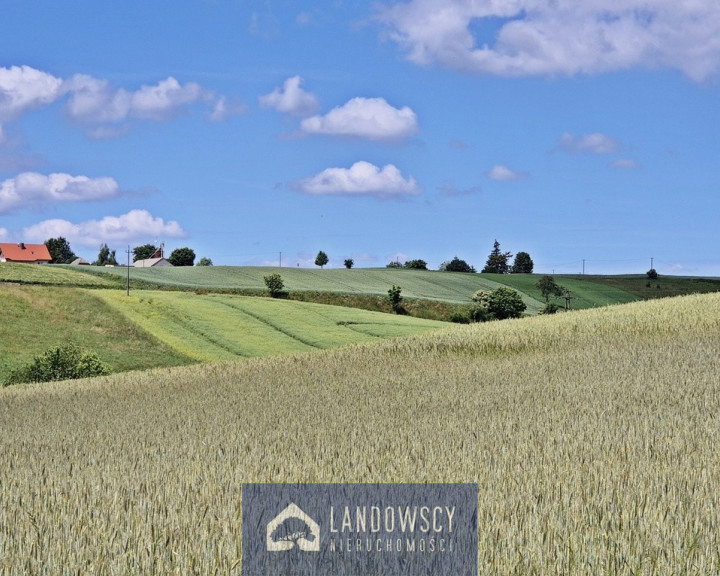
(62, 253)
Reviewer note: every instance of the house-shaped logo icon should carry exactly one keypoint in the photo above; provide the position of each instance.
(293, 527)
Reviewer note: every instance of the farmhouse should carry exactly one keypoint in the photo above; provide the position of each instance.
(157, 259)
(29, 253)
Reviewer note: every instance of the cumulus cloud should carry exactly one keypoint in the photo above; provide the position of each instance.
(551, 37)
(595, 143)
(94, 100)
(136, 225)
(504, 174)
(23, 88)
(370, 118)
(361, 179)
(291, 98)
(34, 191)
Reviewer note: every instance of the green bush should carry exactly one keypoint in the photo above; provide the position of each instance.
(275, 284)
(65, 362)
(505, 303)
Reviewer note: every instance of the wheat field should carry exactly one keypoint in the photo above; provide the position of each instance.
(592, 437)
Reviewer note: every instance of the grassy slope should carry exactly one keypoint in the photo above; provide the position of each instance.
(592, 437)
(421, 284)
(35, 318)
(223, 327)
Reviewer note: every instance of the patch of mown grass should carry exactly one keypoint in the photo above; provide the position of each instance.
(35, 318)
(661, 287)
(215, 327)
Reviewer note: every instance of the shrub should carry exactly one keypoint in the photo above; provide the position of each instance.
(64, 362)
(394, 264)
(550, 308)
(456, 265)
(349, 262)
(652, 274)
(275, 284)
(505, 303)
(416, 264)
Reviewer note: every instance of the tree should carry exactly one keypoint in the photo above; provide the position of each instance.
(652, 273)
(349, 263)
(416, 264)
(321, 259)
(523, 264)
(275, 284)
(106, 257)
(548, 287)
(143, 252)
(394, 264)
(182, 257)
(497, 262)
(505, 303)
(204, 262)
(456, 265)
(395, 298)
(60, 250)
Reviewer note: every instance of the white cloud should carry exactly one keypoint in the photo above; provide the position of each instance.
(23, 88)
(32, 190)
(371, 118)
(626, 163)
(504, 174)
(550, 37)
(93, 100)
(224, 108)
(595, 143)
(136, 225)
(361, 179)
(291, 98)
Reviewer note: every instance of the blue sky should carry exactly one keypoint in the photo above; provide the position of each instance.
(585, 133)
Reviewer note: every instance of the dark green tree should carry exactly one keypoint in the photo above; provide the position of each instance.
(505, 303)
(456, 265)
(652, 273)
(106, 257)
(416, 264)
(349, 263)
(497, 262)
(60, 250)
(143, 252)
(395, 299)
(275, 284)
(321, 259)
(393, 264)
(182, 257)
(204, 262)
(523, 264)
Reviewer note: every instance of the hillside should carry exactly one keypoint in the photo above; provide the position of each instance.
(592, 438)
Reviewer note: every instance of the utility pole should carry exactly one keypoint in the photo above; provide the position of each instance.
(128, 270)
(651, 262)
(280, 259)
(583, 266)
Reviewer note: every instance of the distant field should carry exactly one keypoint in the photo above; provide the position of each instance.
(55, 275)
(424, 284)
(225, 327)
(593, 438)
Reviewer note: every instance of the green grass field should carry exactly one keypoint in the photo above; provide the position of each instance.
(224, 327)
(592, 438)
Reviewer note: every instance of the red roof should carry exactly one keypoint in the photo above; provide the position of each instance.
(25, 252)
